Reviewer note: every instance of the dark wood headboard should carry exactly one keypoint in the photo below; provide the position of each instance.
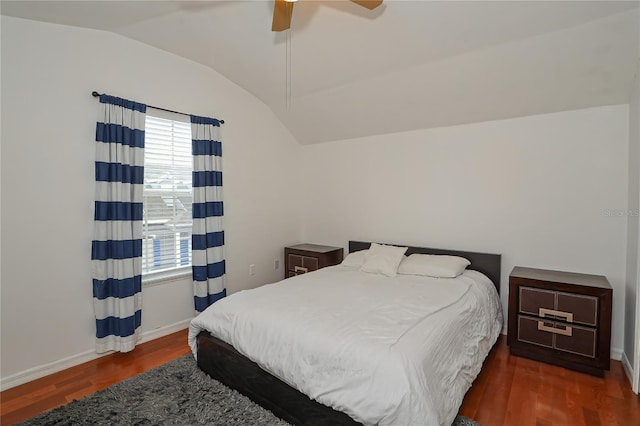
(488, 264)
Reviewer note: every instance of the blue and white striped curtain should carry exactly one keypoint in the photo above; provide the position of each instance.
(208, 234)
(116, 251)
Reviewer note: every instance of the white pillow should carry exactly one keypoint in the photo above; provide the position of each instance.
(382, 259)
(355, 259)
(439, 266)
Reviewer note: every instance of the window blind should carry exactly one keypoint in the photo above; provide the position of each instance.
(167, 195)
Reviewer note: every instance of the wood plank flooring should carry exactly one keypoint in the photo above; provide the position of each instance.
(517, 391)
(28, 400)
(509, 391)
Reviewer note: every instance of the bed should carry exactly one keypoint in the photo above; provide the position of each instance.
(378, 355)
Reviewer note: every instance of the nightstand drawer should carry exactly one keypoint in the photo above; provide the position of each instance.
(528, 332)
(301, 264)
(557, 335)
(569, 307)
(582, 341)
(534, 299)
(583, 308)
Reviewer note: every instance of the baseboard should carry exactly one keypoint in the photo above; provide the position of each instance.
(616, 354)
(628, 369)
(77, 359)
(163, 331)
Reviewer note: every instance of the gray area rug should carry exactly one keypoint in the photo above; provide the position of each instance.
(177, 393)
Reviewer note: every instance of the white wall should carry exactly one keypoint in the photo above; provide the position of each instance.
(48, 128)
(544, 191)
(632, 297)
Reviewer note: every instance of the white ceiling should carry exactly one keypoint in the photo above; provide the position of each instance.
(406, 65)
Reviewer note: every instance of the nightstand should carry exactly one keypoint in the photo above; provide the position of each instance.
(303, 258)
(561, 318)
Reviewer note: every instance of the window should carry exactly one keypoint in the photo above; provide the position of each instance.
(167, 219)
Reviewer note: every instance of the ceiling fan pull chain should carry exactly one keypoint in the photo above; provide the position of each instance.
(288, 70)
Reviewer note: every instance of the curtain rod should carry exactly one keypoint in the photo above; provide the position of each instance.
(96, 94)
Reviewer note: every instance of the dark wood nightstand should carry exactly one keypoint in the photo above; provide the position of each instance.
(303, 258)
(562, 318)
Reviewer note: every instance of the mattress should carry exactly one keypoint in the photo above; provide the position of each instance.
(385, 350)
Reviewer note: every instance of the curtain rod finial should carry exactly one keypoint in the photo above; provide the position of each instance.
(95, 94)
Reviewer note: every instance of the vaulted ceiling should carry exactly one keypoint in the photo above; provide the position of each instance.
(406, 65)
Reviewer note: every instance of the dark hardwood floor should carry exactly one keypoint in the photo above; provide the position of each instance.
(515, 391)
(510, 391)
(26, 401)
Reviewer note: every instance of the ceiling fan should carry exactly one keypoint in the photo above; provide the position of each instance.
(284, 9)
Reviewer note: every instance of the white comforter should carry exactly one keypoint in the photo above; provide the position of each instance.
(388, 351)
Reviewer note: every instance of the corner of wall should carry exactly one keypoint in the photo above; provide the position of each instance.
(632, 325)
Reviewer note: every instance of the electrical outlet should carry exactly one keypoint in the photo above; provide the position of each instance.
(276, 264)
(252, 269)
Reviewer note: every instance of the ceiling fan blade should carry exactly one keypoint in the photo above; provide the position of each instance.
(369, 4)
(282, 12)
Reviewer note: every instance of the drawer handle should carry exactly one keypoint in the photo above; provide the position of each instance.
(567, 331)
(300, 269)
(566, 315)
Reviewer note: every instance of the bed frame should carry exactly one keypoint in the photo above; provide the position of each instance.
(222, 362)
